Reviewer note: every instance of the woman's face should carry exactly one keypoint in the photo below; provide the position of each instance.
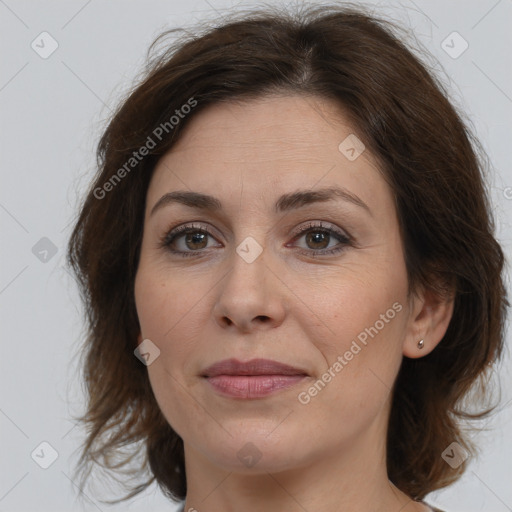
(268, 282)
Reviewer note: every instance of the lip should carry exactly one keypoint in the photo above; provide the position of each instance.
(256, 378)
(252, 367)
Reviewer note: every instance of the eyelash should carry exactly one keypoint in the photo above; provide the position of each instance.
(173, 234)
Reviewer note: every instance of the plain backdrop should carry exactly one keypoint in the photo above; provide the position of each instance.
(52, 110)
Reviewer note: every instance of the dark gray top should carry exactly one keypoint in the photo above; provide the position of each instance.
(434, 509)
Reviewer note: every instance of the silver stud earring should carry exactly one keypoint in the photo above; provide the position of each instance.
(421, 344)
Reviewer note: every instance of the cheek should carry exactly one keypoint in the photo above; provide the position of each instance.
(174, 399)
(359, 333)
(161, 301)
(361, 358)
(162, 310)
(368, 303)
(171, 314)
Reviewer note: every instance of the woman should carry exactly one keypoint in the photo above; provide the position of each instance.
(289, 269)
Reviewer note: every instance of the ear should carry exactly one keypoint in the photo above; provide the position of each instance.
(139, 339)
(430, 316)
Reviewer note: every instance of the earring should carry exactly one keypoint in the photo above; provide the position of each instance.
(421, 344)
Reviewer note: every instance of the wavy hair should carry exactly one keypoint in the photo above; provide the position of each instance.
(430, 160)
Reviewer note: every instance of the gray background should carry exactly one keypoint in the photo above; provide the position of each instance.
(52, 112)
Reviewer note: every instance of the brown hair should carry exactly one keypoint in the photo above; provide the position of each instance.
(427, 155)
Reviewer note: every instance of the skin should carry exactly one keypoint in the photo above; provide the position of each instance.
(286, 305)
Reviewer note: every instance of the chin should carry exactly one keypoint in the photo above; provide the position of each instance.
(253, 450)
(253, 459)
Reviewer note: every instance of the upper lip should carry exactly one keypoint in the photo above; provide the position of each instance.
(252, 367)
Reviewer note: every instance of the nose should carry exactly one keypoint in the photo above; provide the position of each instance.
(250, 295)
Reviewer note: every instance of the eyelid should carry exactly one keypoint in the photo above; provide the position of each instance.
(318, 224)
(199, 225)
(173, 232)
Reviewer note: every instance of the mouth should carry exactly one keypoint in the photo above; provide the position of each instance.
(256, 378)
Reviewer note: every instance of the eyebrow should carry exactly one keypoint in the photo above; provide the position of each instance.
(285, 203)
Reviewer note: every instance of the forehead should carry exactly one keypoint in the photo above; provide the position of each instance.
(277, 123)
(266, 147)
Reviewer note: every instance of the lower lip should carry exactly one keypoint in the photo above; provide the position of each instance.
(252, 386)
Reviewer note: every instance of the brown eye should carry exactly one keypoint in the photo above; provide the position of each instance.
(196, 240)
(317, 239)
(193, 240)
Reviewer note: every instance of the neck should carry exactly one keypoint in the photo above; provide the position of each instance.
(349, 478)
